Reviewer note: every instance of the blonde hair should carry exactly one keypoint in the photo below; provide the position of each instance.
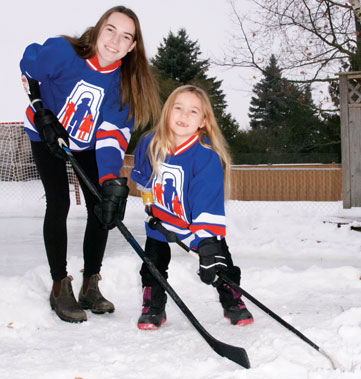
(137, 84)
(164, 139)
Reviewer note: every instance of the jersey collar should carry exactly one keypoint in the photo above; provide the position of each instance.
(93, 63)
(185, 145)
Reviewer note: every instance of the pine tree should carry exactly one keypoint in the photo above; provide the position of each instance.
(270, 105)
(284, 116)
(178, 58)
(178, 62)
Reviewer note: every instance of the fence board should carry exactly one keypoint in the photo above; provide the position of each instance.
(354, 146)
(314, 182)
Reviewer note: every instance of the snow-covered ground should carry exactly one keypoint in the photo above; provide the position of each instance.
(304, 269)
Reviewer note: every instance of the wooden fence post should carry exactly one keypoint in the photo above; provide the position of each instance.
(350, 102)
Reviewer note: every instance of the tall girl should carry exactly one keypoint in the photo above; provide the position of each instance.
(95, 90)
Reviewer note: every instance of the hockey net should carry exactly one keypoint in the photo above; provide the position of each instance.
(19, 180)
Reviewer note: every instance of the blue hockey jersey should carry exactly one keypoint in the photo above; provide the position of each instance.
(85, 98)
(188, 190)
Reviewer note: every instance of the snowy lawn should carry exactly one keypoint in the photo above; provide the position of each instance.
(304, 269)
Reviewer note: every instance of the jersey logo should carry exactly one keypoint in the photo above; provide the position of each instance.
(168, 189)
(81, 110)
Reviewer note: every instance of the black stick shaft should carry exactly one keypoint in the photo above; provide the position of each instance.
(34, 94)
(91, 187)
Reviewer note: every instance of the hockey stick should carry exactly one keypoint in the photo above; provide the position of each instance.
(235, 354)
(172, 237)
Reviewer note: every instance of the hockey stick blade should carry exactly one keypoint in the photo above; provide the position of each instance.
(234, 353)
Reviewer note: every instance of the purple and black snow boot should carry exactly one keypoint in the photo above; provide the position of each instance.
(236, 310)
(153, 311)
(233, 306)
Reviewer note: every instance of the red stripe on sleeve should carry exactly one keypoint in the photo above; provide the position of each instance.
(113, 134)
(215, 229)
(30, 114)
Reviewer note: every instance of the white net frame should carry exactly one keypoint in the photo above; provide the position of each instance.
(19, 179)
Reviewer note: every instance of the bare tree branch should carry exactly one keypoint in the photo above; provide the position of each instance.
(356, 6)
(312, 39)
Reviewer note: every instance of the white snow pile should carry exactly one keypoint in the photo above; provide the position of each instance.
(304, 269)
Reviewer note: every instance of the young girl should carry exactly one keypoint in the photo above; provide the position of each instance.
(184, 162)
(95, 90)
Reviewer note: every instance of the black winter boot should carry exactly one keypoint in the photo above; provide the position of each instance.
(153, 312)
(65, 305)
(233, 306)
(238, 314)
(93, 299)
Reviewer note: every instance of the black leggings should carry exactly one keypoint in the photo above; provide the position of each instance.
(159, 253)
(53, 175)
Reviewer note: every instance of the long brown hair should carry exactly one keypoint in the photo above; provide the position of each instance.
(137, 85)
(164, 140)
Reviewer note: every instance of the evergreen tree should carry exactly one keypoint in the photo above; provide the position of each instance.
(178, 62)
(270, 105)
(178, 58)
(284, 116)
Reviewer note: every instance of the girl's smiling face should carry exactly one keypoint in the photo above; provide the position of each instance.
(115, 39)
(186, 116)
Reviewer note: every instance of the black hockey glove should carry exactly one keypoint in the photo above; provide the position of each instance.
(50, 131)
(211, 259)
(114, 193)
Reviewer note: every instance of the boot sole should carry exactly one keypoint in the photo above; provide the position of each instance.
(100, 312)
(96, 311)
(150, 326)
(73, 321)
(69, 319)
(241, 322)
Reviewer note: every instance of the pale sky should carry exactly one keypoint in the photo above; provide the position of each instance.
(207, 21)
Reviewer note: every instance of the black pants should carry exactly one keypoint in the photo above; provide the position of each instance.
(159, 253)
(53, 175)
